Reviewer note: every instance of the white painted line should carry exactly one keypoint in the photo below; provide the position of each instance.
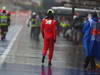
(12, 31)
(3, 57)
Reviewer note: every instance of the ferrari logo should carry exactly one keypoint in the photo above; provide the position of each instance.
(48, 21)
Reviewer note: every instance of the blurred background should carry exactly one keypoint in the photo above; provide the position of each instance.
(21, 53)
(40, 4)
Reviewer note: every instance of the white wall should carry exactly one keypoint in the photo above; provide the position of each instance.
(59, 1)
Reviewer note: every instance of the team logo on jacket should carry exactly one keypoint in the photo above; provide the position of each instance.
(48, 21)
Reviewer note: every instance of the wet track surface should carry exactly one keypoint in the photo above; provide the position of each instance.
(24, 54)
(10, 35)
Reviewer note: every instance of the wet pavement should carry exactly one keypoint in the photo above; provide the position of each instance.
(21, 55)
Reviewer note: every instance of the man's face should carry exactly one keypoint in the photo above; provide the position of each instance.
(89, 16)
(77, 14)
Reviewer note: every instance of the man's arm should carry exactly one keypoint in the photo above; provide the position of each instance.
(54, 30)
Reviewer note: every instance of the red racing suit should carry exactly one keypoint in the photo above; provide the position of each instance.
(48, 29)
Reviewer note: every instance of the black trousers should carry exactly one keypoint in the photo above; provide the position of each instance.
(35, 31)
(90, 60)
(4, 30)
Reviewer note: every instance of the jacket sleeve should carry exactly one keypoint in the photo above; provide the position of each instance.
(54, 29)
(42, 28)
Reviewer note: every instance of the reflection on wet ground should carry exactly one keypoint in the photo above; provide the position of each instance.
(25, 56)
(22, 69)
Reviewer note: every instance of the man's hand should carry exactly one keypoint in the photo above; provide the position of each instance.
(93, 37)
(43, 35)
(54, 41)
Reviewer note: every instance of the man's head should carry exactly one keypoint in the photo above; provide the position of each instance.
(4, 9)
(34, 13)
(50, 13)
(77, 14)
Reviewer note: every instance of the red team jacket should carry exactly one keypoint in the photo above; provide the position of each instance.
(48, 29)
